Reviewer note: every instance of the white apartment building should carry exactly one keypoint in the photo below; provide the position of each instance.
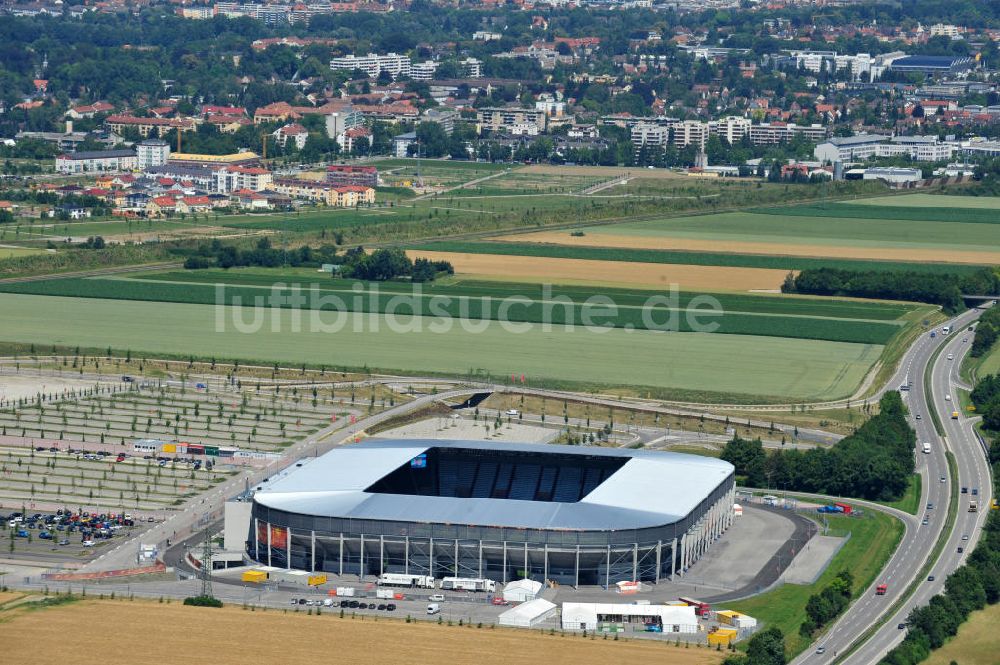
(767, 133)
(868, 146)
(96, 161)
(945, 30)
(423, 71)
(648, 135)
(472, 68)
(690, 132)
(151, 152)
(731, 128)
(234, 178)
(373, 64)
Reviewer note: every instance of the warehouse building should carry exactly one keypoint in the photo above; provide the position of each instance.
(580, 516)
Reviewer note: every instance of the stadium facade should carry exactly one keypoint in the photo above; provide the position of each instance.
(576, 515)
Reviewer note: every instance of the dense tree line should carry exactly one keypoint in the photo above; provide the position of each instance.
(937, 289)
(986, 397)
(970, 588)
(987, 332)
(218, 255)
(828, 604)
(765, 648)
(387, 264)
(875, 462)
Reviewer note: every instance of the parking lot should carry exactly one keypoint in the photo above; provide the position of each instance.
(64, 534)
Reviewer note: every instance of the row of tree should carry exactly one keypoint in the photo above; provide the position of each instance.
(986, 397)
(219, 255)
(970, 588)
(875, 462)
(987, 332)
(828, 604)
(388, 264)
(942, 289)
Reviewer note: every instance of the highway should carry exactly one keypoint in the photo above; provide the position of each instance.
(919, 539)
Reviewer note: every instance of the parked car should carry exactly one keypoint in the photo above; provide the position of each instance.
(88, 543)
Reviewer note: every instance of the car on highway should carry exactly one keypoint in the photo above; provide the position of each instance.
(437, 598)
(821, 649)
(930, 506)
(951, 356)
(975, 491)
(943, 480)
(901, 626)
(925, 521)
(947, 398)
(961, 549)
(965, 490)
(917, 416)
(965, 536)
(930, 578)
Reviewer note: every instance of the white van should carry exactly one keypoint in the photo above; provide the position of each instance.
(927, 448)
(434, 608)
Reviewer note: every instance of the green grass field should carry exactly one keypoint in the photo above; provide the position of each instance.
(725, 366)
(807, 230)
(975, 644)
(739, 315)
(682, 257)
(934, 201)
(873, 539)
(10, 252)
(113, 227)
(897, 213)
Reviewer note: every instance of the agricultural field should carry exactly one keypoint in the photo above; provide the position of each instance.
(175, 633)
(110, 229)
(460, 298)
(934, 201)
(795, 235)
(495, 267)
(976, 642)
(688, 366)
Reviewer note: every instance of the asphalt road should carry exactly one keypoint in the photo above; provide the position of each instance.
(919, 539)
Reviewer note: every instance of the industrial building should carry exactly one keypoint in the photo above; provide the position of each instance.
(501, 511)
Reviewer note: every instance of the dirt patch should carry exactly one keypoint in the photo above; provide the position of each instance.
(13, 387)
(732, 247)
(177, 634)
(600, 171)
(606, 273)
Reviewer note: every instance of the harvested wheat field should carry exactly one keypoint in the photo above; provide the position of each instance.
(154, 634)
(600, 171)
(606, 273)
(593, 239)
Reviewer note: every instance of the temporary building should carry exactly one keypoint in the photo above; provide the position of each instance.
(722, 636)
(529, 614)
(736, 619)
(520, 591)
(615, 616)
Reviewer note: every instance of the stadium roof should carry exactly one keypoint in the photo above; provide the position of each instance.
(649, 489)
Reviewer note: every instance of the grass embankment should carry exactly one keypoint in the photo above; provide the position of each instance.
(976, 642)
(873, 539)
(173, 633)
(910, 501)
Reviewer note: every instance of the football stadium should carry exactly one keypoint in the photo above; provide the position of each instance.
(503, 511)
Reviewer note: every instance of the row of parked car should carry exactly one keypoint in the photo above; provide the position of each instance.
(346, 604)
(91, 527)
